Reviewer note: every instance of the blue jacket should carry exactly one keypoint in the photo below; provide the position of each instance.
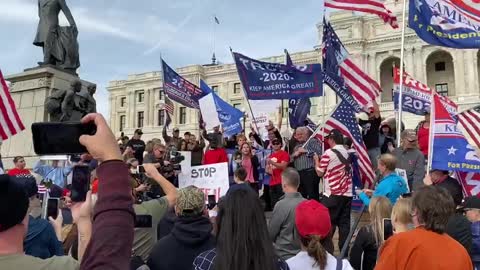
(56, 175)
(41, 240)
(392, 186)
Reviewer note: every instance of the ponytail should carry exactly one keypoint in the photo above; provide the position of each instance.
(315, 250)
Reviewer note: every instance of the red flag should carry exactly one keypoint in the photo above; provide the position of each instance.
(10, 122)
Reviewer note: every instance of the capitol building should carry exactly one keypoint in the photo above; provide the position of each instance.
(138, 101)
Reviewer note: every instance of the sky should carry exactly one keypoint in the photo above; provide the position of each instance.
(121, 37)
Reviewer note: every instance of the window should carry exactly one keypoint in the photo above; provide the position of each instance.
(160, 95)
(237, 105)
(140, 119)
(140, 96)
(442, 89)
(161, 117)
(440, 66)
(215, 89)
(236, 88)
(183, 116)
(123, 101)
(123, 120)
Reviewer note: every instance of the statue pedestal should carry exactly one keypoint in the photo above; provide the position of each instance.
(29, 90)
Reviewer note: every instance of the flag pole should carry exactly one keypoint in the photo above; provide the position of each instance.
(400, 93)
(431, 133)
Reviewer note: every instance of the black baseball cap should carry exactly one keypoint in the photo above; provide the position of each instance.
(13, 202)
(472, 202)
(139, 132)
(334, 134)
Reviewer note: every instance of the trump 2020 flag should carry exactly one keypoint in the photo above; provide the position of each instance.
(416, 96)
(262, 80)
(228, 115)
(451, 151)
(448, 23)
(179, 89)
(10, 122)
(298, 111)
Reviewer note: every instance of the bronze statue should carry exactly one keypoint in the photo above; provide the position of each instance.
(60, 45)
(61, 104)
(91, 103)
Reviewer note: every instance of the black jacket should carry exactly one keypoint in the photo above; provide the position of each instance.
(364, 245)
(190, 237)
(454, 188)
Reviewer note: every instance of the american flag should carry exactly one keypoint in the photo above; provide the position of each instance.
(336, 60)
(343, 119)
(470, 121)
(10, 122)
(42, 189)
(169, 107)
(368, 6)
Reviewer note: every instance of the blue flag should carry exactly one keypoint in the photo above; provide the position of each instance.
(333, 54)
(262, 80)
(298, 110)
(228, 115)
(452, 23)
(179, 89)
(451, 151)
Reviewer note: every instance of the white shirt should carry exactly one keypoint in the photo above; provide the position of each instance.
(304, 262)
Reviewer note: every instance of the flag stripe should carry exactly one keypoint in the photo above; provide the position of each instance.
(470, 121)
(10, 121)
(373, 7)
(363, 77)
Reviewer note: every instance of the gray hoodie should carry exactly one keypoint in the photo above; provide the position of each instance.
(413, 162)
(282, 226)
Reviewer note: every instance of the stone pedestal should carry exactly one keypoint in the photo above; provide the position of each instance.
(29, 90)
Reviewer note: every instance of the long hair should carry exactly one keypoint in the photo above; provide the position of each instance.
(379, 208)
(402, 211)
(315, 249)
(243, 242)
(249, 146)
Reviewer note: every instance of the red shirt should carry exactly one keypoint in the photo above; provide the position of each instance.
(281, 156)
(423, 135)
(15, 172)
(214, 156)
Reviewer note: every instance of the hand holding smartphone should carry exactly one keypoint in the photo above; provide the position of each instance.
(80, 183)
(60, 138)
(387, 228)
(52, 208)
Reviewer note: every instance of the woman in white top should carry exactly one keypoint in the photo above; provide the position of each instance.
(312, 221)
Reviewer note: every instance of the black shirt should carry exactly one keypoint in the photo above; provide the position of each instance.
(370, 132)
(363, 254)
(454, 188)
(138, 146)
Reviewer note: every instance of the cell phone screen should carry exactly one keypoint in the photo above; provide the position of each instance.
(60, 138)
(140, 169)
(387, 228)
(143, 221)
(80, 183)
(52, 208)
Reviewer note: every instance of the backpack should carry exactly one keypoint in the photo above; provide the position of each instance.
(344, 161)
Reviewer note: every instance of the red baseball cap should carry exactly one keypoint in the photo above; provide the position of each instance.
(312, 218)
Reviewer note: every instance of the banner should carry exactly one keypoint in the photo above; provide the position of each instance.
(262, 80)
(451, 151)
(448, 23)
(179, 89)
(470, 183)
(298, 110)
(228, 115)
(262, 110)
(209, 112)
(208, 178)
(416, 96)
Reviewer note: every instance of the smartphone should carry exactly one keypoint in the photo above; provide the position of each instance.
(143, 221)
(140, 169)
(212, 202)
(60, 138)
(80, 183)
(387, 228)
(52, 208)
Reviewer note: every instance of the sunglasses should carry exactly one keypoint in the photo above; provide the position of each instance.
(276, 143)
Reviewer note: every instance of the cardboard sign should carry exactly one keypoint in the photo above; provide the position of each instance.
(403, 174)
(209, 178)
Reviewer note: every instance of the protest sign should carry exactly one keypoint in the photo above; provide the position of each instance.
(403, 174)
(179, 89)
(416, 96)
(449, 23)
(209, 112)
(209, 178)
(262, 80)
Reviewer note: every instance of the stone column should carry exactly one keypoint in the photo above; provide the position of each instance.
(372, 71)
(459, 72)
(131, 110)
(409, 65)
(420, 66)
(146, 121)
(151, 107)
(113, 117)
(470, 59)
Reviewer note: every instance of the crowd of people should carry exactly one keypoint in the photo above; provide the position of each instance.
(309, 186)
